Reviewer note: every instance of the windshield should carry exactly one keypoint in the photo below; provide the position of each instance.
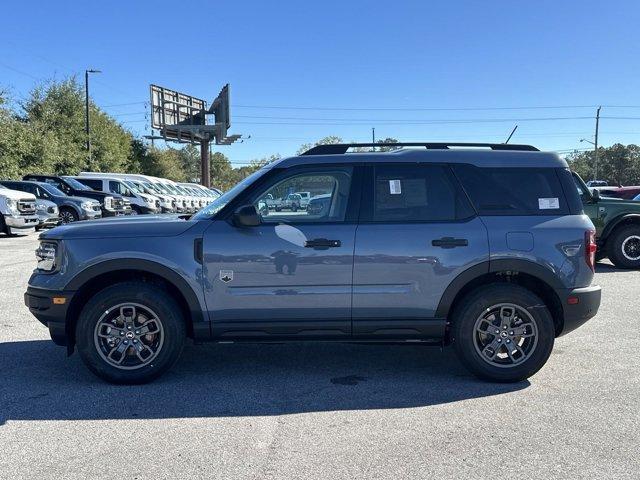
(133, 186)
(162, 188)
(51, 190)
(76, 184)
(220, 202)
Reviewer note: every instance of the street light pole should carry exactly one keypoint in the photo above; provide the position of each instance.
(86, 112)
(595, 153)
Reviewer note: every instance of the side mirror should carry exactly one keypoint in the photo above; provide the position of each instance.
(595, 194)
(247, 216)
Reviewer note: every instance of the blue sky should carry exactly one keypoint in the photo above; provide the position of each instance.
(414, 70)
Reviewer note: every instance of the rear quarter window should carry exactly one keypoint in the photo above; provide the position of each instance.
(513, 190)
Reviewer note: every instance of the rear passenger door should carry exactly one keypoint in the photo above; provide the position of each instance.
(417, 232)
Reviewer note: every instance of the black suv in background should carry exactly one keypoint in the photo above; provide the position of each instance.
(71, 209)
(111, 204)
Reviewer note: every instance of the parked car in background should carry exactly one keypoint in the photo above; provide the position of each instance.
(617, 223)
(217, 191)
(17, 210)
(110, 204)
(292, 202)
(304, 198)
(485, 249)
(626, 193)
(319, 205)
(597, 183)
(48, 214)
(71, 209)
(141, 203)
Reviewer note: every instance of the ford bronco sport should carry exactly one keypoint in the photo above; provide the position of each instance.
(487, 249)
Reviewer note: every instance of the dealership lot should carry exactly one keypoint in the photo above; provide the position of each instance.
(321, 410)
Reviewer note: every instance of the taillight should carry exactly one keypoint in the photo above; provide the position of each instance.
(590, 248)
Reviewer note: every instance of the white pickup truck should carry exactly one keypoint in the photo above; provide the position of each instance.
(17, 210)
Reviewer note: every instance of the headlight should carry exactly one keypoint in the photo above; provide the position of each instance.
(87, 205)
(12, 205)
(41, 207)
(148, 200)
(108, 203)
(46, 255)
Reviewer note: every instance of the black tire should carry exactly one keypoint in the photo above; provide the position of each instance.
(68, 215)
(294, 208)
(464, 335)
(3, 226)
(145, 295)
(624, 247)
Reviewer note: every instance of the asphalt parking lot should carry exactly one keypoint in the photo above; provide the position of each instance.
(321, 411)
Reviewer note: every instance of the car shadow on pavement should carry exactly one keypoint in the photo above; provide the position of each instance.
(41, 383)
(602, 267)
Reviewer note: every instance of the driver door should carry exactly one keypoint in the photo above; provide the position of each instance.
(291, 275)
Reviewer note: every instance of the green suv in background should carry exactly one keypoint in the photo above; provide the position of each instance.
(617, 225)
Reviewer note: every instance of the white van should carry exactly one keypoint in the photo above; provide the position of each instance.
(141, 203)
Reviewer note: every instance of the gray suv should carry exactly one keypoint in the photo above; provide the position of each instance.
(486, 249)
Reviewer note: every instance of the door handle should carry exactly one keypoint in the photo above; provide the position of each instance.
(322, 243)
(450, 242)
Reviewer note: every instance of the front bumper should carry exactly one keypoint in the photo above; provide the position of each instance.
(21, 221)
(90, 214)
(579, 305)
(49, 221)
(114, 213)
(53, 315)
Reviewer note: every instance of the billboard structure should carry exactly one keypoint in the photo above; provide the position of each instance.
(183, 118)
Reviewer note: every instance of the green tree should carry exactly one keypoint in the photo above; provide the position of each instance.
(330, 140)
(618, 164)
(55, 114)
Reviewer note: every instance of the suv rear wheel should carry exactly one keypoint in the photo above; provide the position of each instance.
(130, 333)
(624, 247)
(503, 332)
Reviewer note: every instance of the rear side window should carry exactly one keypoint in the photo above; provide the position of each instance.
(417, 193)
(513, 191)
(95, 184)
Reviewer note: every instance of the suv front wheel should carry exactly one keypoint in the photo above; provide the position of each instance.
(130, 333)
(503, 332)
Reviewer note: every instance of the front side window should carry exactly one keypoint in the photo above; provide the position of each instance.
(328, 194)
(417, 193)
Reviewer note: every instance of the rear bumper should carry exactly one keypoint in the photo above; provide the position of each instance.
(52, 315)
(579, 305)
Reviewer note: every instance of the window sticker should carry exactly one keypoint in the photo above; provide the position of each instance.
(548, 203)
(395, 187)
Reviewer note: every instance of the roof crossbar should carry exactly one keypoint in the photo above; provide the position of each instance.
(341, 148)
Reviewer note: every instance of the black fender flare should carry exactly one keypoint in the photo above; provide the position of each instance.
(149, 266)
(529, 267)
(611, 226)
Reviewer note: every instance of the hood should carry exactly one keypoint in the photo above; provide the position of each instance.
(75, 199)
(16, 195)
(138, 226)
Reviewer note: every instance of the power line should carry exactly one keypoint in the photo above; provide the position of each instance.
(411, 109)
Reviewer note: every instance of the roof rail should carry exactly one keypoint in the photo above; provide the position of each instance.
(340, 148)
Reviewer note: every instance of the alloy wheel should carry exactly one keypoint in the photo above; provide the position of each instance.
(505, 335)
(129, 336)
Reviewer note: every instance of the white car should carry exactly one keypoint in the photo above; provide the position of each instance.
(17, 210)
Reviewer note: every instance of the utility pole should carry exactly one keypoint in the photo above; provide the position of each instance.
(595, 152)
(86, 113)
(205, 174)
